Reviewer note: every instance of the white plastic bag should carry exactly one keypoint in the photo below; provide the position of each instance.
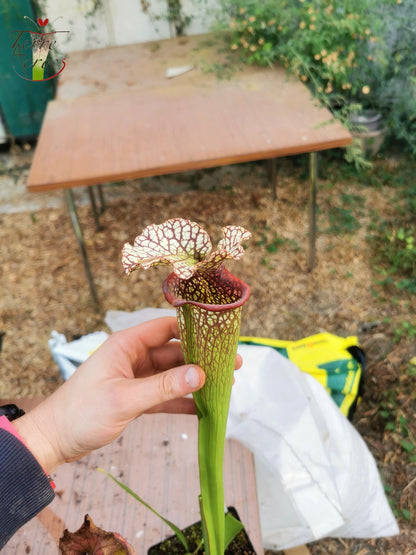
(118, 320)
(315, 474)
(68, 356)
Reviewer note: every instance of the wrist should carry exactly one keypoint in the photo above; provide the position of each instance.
(35, 436)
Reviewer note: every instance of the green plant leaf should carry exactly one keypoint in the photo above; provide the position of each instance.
(406, 514)
(172, 526)
(408, 446)
(233, 526)
(203, 521)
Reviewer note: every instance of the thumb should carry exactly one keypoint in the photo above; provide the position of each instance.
(165, 386)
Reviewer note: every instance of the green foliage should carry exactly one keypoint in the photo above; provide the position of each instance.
(405, 329)
(274, 243)
(397, 246)
(394, 242)
(177, 17)
(396, 423)
(396, 411)
(323, 43)
(342, 220)
(255, 29)
(343, 216)
(392, 235)
(353, 54)
(406, 514)
(394, 88)
(171, 11)
(312, 37)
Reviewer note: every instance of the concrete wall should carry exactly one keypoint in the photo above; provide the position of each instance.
(118, 22)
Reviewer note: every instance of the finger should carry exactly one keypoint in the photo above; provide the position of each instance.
(168, 356)
(141, 395)
(171, 355)
(147, 335)
(184, 405)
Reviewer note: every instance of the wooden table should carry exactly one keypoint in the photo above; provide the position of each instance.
(157, 458)
(118, 117)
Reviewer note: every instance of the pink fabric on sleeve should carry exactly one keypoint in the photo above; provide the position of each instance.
(6, 425)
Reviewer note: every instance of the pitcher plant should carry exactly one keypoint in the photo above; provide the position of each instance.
(208, 300)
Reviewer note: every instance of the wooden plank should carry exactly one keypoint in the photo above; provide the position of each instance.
(157, 457)
(158, 126)
(299, 550)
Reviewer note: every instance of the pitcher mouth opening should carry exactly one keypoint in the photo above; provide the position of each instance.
(240, 290)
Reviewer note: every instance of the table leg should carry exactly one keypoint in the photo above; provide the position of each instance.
(69, 197)
(101, 197)
(95, 211)
(313, 173)
(271, 175)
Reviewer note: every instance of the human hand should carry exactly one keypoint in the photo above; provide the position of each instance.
(135, 371)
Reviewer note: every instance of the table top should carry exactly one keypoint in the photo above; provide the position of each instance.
(156, 457)
(117, 116)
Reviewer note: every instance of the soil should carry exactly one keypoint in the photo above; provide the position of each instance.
(43, 288)
(241, 544)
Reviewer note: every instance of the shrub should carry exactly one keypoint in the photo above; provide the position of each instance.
(352, 54)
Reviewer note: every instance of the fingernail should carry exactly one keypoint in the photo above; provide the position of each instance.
(192, 377)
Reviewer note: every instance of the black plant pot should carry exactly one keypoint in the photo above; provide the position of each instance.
(241, 544)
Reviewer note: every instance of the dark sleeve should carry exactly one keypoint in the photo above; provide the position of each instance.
(24, 487)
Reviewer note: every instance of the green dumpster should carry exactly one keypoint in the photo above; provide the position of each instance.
(22, 100)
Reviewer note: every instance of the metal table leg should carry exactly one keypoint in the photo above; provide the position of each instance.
(101, 198)
(95, 211)
(69, 197)
(271, 175)
(313, 173)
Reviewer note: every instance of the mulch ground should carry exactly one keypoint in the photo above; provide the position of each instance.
(43, 288)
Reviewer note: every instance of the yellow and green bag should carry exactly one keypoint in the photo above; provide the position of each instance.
(337, 363)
